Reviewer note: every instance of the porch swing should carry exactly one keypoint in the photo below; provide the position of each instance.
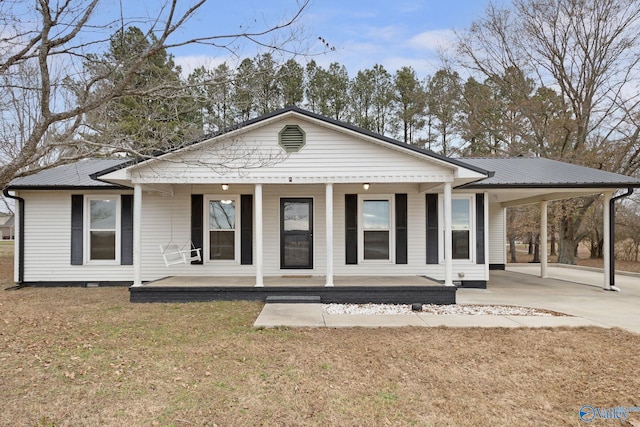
(173, 254)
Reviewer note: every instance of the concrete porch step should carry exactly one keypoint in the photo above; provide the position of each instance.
(293, 299)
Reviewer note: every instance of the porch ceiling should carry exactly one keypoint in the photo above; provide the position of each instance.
(524, 196)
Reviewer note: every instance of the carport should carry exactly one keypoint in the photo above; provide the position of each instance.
(520, 181)
(563, 291)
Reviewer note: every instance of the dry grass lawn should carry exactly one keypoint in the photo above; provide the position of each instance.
(75, 356)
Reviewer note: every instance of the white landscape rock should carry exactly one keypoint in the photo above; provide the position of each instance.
(501, 310)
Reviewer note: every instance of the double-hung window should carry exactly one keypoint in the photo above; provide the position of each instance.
(223, 233)
(376, 229)
(103, 237)
(461, 228)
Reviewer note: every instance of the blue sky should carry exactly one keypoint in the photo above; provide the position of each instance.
(391, 33)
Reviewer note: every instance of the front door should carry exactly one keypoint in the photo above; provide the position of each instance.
(296, 233)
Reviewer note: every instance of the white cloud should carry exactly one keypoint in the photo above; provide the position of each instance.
(432, 40)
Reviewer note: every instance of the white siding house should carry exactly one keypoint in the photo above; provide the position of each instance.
(287, 194)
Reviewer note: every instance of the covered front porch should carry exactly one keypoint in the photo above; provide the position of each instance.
(301, 288)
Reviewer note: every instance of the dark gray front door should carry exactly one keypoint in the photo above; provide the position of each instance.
(296, 233)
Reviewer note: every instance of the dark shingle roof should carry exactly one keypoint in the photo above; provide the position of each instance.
(71, 176)
(528, 172)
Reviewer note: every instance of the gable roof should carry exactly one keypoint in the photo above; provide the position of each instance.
(538, 172)
(74, 176)
(311, 115)
(514, 172)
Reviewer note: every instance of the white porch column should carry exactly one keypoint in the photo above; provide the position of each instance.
(137, 235)
(259, 244)
(329, 231)
(543, 239)
(606, 247)
(486, 236)
(448, 250)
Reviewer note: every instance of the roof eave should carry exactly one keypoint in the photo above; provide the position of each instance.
(480, 185)
(65, 187)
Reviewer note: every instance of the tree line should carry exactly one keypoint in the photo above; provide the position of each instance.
(551, 78)
(502, 115)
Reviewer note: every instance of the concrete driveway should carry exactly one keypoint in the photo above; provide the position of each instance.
(519, 285)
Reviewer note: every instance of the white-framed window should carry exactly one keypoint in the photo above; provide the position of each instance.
(462, 226)
(102, 235)
(376, 229)
(223, 222)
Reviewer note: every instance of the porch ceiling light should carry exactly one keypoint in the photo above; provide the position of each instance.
(365, 186)
(225, 187)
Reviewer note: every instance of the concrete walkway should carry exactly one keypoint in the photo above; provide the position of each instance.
(311, 315)
(586, 304)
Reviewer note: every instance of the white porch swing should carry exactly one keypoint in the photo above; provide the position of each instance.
(173, 254)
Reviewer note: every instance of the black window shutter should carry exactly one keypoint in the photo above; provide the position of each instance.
(197, 214)
(401, 228)
(246, 229)
(432, 228)
(480, 229)
(77, 237)
(351, 228)
(126, 229)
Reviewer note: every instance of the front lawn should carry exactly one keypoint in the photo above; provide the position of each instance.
(76, 356)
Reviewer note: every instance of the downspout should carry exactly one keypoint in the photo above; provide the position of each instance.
(612, 237)
(20, 236)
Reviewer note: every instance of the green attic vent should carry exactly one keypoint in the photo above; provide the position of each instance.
(291, 138)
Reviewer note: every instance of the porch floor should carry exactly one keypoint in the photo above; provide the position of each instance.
(346, 289)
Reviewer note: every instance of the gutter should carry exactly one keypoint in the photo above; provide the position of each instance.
(612, 237)
(20, 236)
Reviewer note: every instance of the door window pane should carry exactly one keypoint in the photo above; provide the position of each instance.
(296, 216)
(296, 250)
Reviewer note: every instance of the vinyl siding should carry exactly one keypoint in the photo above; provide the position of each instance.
(166, 218)
(48, 242)
(336, 155)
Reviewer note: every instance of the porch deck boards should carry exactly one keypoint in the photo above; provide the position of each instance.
(346, 289)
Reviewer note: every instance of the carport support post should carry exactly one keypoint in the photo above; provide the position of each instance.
(329, 231)
(543, 239)
(259, 244)
(448, 245)
(606, 244)
(137, 234)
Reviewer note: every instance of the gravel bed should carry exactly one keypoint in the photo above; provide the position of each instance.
(504, 310)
